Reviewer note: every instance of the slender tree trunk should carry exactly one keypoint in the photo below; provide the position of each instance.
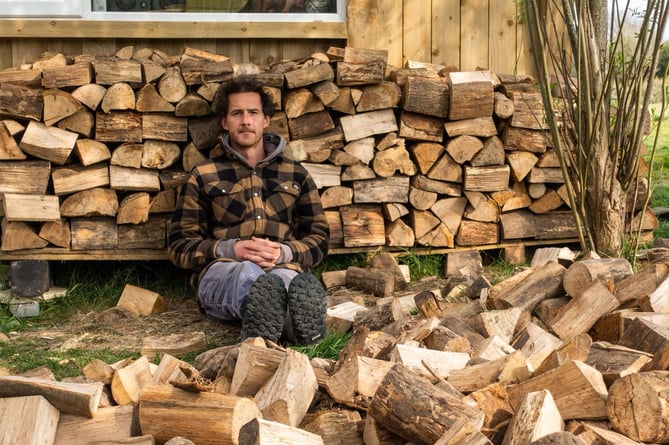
(605, 201)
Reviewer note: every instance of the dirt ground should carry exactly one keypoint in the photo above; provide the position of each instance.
(115, 330)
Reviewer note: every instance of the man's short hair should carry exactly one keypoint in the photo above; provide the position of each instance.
(241, 84)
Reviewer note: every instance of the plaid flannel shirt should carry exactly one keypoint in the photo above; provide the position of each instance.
(225, 198)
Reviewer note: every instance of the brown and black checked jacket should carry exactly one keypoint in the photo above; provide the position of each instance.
(224, 198)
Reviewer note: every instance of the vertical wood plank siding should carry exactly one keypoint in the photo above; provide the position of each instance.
(463, 34)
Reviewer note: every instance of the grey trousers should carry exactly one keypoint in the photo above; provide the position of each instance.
(225, 285)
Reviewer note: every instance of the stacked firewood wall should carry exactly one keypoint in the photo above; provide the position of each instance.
(93, 149)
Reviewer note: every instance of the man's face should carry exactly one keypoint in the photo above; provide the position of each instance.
(245, 120)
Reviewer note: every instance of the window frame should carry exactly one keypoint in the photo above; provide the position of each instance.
(76, 19)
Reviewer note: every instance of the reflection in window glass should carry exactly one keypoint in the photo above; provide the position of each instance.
(275, 6)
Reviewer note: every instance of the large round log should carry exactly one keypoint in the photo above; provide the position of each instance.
(411, 407)
(582, 273)
(214, 419)
(638, 408)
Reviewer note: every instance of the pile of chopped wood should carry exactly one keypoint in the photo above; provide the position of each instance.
(93, 148)
(563, 351)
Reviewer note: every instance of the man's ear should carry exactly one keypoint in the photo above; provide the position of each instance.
(224, 123)
(266, 120)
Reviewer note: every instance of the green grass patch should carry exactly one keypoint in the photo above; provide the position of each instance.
(94, 286)
(328, 348)
(24, 355)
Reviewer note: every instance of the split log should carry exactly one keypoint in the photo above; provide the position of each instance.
(92, 202)
(368, 124)
(21, 103)
(9, 149)
(593, 433)
(148, 100)
(27, 419)
(428, 362)
(356, 381)
(392, 161)
(492, 153)
(657, 300)
(301, 101)
(75, 178)
(536, 416)
(118, 126)
(140, 301)
(615, 361)
(379, 97)
(579, 390)
(254, 367)
(607, 270)
(576, 348)
(423, 413)
(363, 225)
(311, 125)
(536, 344)
(644, 335)
(48, 143)
(463, 148)
(260, 431)
(483, 127)
(23, 207)
(58, 105)
(110, 423)
(352, 74)
(166, 412)
(172, 86)
(471, 95)
(278, 400)
(426, 95)
(119, 96)
(90, 95)
(335, 425)
(108, 72)
(379, 282)
(340, 317)
(90, 151)
(487, 179)
(128, 381)
(56, 232)
(17, 235)
(72, 398)
(309, 75)
(134, 209)
(474, 233)
(163, 127)
(582, 312)
(505, 371)
(133, 179)
(637, 406)
(541, 283)
(501, 323)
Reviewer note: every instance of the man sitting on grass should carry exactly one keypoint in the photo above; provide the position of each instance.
(249, 223)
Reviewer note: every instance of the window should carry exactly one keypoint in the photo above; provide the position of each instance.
(41, 8)
(179, 10)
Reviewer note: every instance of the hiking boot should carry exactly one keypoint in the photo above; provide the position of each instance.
(307, 308)
(264, 309)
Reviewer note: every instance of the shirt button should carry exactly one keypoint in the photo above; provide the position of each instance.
(258, 217)
(255, 194)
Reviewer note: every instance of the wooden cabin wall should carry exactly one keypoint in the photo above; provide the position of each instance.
(464, 34)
